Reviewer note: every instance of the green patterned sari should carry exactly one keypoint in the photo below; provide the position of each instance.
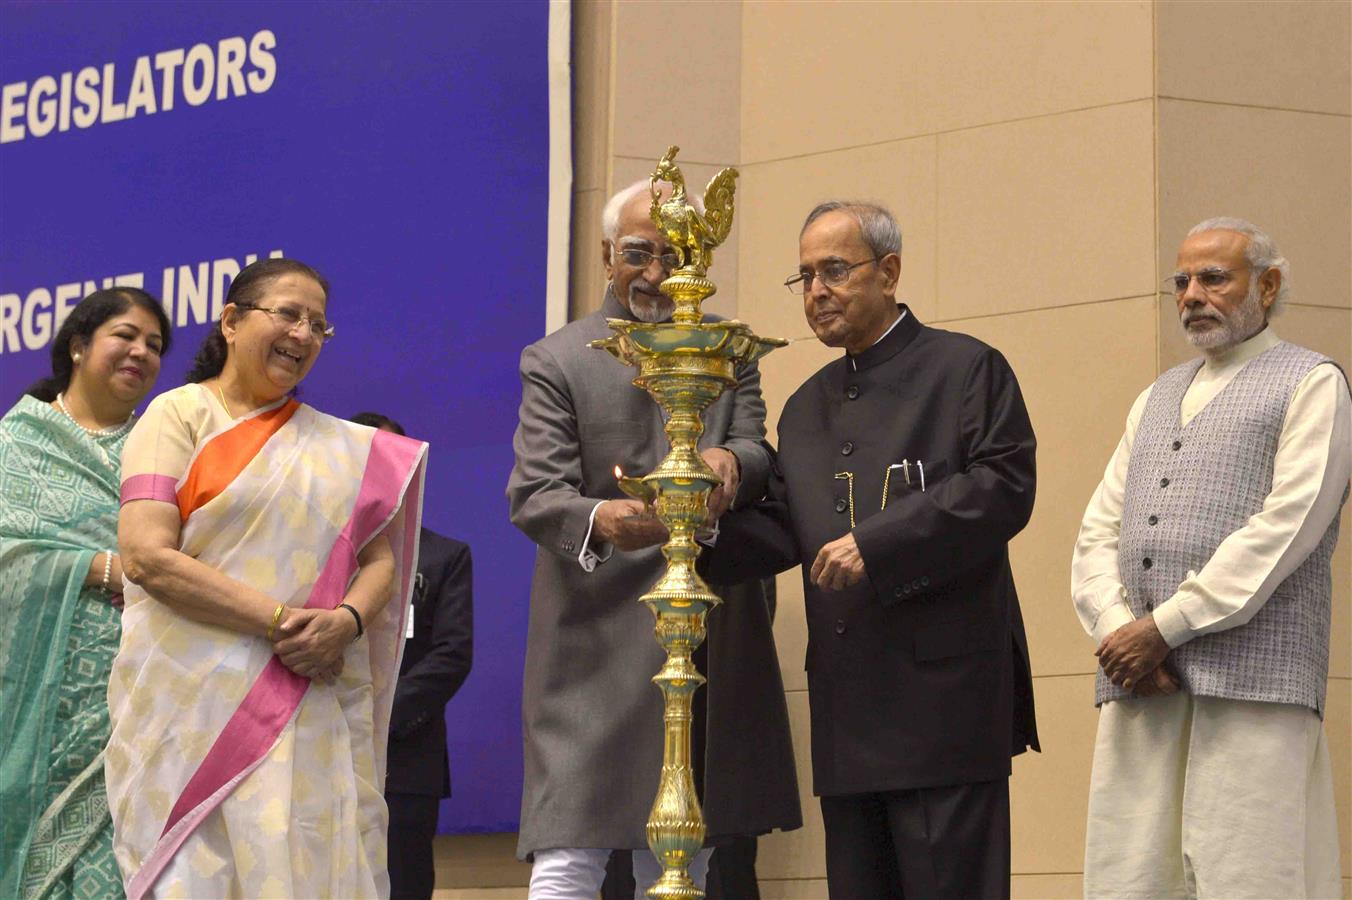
(58, 508)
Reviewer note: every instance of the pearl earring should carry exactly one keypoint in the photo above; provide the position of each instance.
(77, 357)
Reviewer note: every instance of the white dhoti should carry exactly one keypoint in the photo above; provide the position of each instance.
(1210, 798)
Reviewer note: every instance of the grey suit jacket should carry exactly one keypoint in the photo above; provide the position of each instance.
(592, 718)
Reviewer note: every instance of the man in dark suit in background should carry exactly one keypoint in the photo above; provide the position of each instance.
(438, 651)
(907, 466)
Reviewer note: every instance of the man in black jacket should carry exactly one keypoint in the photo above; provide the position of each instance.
(905, 467)
(438, 651)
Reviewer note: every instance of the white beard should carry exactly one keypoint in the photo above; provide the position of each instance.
(651, 311)
(645, 307)
(1237, 327)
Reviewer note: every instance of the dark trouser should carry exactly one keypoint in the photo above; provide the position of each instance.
(732, 873)
(413, 823)
(929, 842)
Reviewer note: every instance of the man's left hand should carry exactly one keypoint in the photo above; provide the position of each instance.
(838, 565)
(1132, 652)
(725, 466)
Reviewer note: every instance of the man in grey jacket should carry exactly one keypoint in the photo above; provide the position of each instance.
(1202, 571)
(591, 717)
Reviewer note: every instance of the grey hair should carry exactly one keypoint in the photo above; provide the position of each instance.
(877, 225)
(1261, 252)
(610, 214)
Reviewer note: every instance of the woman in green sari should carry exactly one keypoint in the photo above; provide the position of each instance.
(60, 586)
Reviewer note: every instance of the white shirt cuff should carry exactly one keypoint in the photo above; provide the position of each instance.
(1112, 618)
(1169, 620)
(588, 559)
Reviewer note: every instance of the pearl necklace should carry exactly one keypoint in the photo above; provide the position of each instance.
(95, 433)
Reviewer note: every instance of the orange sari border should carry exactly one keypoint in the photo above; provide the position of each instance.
(222, 458)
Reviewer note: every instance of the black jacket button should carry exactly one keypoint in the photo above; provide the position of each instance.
(905, 588)
(1153, 520)
(1164, 482)
(1147, 563)
(841, 506)
(897, 592)
(846, 448)
(840, 626)
(852, 392)
(1178, 445)
(924, 581)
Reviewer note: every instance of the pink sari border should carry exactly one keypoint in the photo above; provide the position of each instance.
(274, 698)
(150, 487)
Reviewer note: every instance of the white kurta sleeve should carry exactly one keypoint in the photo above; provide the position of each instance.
(1309, 476)
(1095, 582)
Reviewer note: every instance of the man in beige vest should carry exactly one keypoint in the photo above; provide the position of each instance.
(1202, 571)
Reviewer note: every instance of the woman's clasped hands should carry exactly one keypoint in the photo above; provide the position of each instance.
(310, 642)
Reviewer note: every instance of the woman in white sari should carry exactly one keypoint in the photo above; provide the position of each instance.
(269, 552)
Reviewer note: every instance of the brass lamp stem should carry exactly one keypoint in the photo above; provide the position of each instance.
(684, 364)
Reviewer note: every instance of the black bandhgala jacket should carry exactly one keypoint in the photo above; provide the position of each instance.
(918, 676)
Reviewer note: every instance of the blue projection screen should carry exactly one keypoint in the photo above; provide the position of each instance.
(400, 148)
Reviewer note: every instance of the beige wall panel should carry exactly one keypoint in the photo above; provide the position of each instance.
(1047, 887)
(517, 893)
(802, 853)
(1046, 212)
(1289, 173)
(587, 277)
(791, 630)
(677, 77)
(1078, 397)
(1320, 328)
(1049, 791)
(823, 76)
(626, 170)
(797, 889)
(478, 861)
(1174, 347)
(591, 93)
(1338, 730)
(1292, 55)
(775, 197)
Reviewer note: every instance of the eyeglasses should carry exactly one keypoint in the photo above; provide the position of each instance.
(289, 316)
(1212, 280)
(641, 259)
(833, 274)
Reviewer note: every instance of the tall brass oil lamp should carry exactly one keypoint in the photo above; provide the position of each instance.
(685, 364)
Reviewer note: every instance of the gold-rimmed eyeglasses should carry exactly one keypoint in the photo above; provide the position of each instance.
(833, 274)
(1212, 280)
(290, 316)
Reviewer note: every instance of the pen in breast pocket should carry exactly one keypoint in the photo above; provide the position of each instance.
(905, 467)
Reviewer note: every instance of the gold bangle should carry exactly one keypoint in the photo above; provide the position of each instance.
(276, 617)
